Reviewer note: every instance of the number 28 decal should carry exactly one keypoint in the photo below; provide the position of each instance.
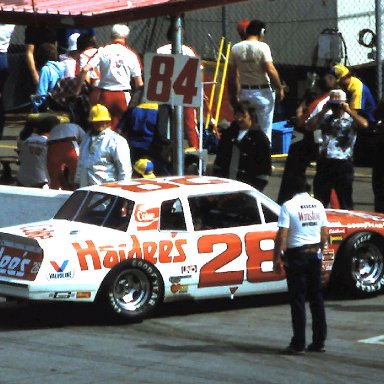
(172, 79)
(210, 276)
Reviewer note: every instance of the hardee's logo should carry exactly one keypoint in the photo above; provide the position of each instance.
(146, 218)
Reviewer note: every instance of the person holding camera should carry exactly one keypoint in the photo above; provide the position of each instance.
(335, 167)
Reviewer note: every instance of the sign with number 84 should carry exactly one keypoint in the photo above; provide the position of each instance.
(172, 79)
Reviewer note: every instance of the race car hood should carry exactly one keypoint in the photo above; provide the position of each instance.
(354, 219)
(58, 231)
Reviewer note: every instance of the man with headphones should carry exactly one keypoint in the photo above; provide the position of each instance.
(251, 74)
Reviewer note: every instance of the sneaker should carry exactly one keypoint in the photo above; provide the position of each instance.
(316, 348)
(293, 351)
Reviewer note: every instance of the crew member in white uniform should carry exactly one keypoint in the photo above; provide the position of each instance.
(250, 74)
(104, 154)
(118, 64)
(301, 239)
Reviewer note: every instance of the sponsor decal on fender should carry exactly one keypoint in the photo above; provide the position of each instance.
(177, 279)
(179, 288)
(335, 239)
(336, 231)
(107, 256)
(186, 269)
(62, 271)
(146, 218)
(61, 295)
(38, 231)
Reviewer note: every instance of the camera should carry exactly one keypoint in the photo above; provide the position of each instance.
(334, 103)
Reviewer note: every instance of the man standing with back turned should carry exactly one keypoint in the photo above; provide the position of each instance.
(300, 240)
(250, 74)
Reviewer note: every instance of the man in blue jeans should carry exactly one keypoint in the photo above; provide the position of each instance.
(299, 243)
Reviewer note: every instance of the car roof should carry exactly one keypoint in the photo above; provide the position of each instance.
(168, 188)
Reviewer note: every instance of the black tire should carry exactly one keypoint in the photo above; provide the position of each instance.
(133, 289)
(361, 263)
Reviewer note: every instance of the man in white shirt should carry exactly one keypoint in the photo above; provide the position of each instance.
(118, 65)
(300, 240)
(104, 154)
(250, 74)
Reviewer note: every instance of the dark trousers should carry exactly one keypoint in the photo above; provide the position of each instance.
(300, 155)
(303, 270)
(334, 174)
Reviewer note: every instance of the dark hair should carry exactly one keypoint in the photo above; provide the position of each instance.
(84, 41)
(299, 184)
(243, 107)
(46, 52)
(46, 125)
(255, 27)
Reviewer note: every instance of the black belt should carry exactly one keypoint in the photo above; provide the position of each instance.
(264, 86)
(115, 90)
(310, 248)
(62, 140)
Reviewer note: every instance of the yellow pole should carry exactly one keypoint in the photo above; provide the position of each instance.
(220, 98)
(213, 89)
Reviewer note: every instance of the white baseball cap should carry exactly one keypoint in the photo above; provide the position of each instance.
(120, 30)
(72, 42)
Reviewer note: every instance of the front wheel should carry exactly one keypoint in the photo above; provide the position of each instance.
(362, 262)
(133, 289)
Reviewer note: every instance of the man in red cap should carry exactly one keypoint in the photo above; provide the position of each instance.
(242, 27)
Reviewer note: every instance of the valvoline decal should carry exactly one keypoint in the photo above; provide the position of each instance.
(146, 217)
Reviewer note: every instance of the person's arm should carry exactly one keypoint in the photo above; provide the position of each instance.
(360, 121)
(324, 238)
(233, 84)
(122, 160)
(280, 247)
(312, 123)
(275, 79)
(30, 59)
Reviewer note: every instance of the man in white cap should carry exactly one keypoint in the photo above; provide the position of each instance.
(71, 56)
(335, 167)
(118, 65)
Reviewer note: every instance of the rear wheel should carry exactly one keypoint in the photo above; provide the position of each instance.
(362, 262)
(133, 289)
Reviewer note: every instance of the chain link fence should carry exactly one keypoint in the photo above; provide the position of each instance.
(304, 36)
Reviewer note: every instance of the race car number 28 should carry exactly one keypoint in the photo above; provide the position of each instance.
(172, 79)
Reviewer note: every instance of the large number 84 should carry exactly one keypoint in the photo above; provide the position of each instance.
(209, 275)
(160, 82)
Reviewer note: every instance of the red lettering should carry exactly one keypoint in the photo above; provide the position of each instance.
(149, 251)
(209, 277)
(90, 250)
(180, 257)
(165, 248)
(135, 252)
(111, 258)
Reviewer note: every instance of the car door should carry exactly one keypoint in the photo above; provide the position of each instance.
(234, 244)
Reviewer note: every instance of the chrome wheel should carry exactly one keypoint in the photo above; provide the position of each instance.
(131, 289)
(367, 265)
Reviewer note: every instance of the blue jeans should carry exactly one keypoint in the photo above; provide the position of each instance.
(263, 100)
(303, 270)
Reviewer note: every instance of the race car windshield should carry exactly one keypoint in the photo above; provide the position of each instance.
(97, 208)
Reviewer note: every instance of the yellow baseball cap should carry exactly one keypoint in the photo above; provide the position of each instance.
(144, 167)
(339, 71)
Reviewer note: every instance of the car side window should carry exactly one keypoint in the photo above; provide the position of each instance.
(224, 210)
(269, 215)
(172, 216)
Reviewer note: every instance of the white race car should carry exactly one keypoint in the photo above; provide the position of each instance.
(134, 245)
